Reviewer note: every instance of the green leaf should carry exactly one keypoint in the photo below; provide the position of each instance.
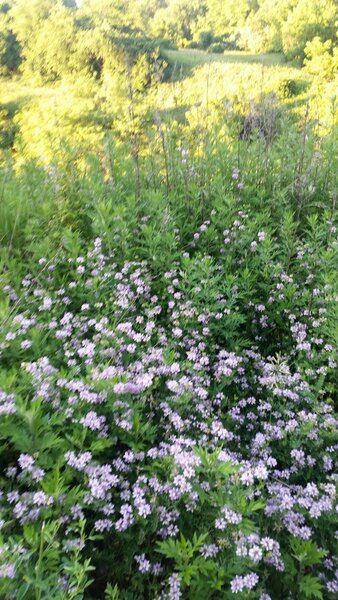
(100, 445)
(227, 468)
(168, 547)
(188, 572)
(22, 591)
(311, 587)
(256, 505)
(306, 552)
(247, 527)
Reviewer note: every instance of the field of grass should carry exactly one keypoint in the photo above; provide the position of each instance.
(168, 332)
(188, 58)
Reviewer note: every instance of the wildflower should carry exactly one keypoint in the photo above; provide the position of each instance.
(26, 462)
(103, 525)
(25, 344)
(143, 564)
(41, 499)
(255, 553)
(174, 587)
(7, 403)
(7, 570)
(209, 550)
(240, 583)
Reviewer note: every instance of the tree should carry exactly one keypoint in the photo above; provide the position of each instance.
(308, 18)
(226, 17)
(46, 32)
(262, 30)
(178, 19)
(105, 14)
(322, 57)
(10, 49)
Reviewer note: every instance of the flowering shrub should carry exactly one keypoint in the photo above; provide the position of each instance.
(171, 435)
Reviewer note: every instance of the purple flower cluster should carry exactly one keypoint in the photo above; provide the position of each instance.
(7, 403)
(158, 418)
(246, 582)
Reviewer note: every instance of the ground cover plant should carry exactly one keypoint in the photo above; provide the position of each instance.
(168, 320)
(180, 427)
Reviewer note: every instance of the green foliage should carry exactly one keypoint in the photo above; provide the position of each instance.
(101, 35)
(8, 130)
(288, 88)
(205, 39)
(10, 49)
(306, 552)
(112, 593)
(195, 572)
(10, 53)
(211, 180)
(321, 58)
(309, 18)
(51, 55)
(311, 587)
(217, 48)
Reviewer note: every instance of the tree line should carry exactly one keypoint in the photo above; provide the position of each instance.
(52, 38)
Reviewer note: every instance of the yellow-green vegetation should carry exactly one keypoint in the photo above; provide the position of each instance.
(107, 66)
(47, 119)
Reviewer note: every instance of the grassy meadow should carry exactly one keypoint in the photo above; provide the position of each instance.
(169, 332)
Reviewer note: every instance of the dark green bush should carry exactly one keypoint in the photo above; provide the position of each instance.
(288, 88)
(217, 48)
(8, 130)
(193, 46)
(205, 39)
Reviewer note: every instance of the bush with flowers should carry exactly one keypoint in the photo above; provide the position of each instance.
(170, 434)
